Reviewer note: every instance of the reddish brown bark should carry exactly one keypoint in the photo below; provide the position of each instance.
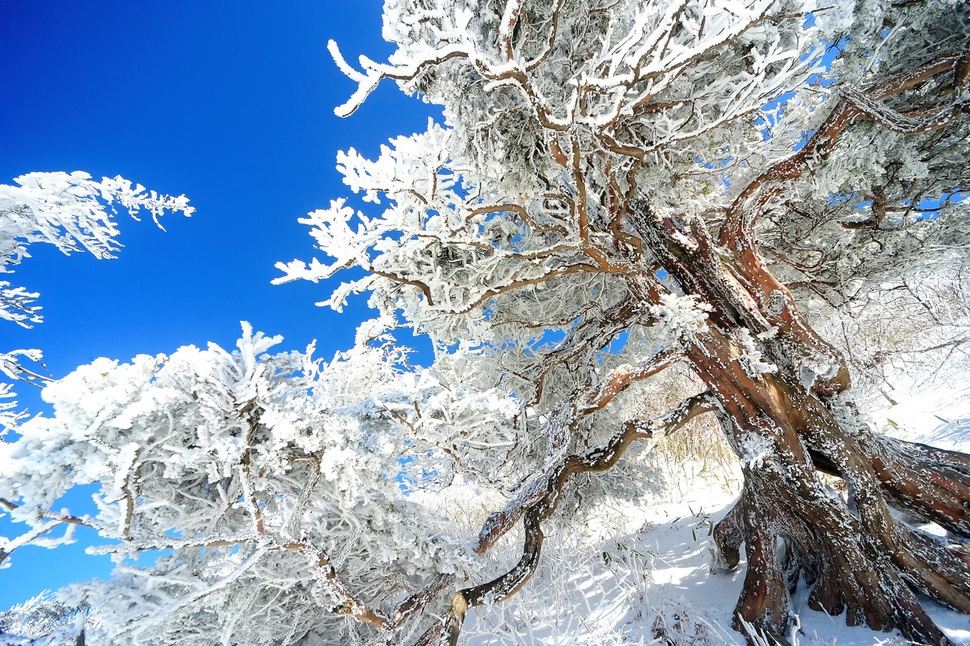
(859, 558)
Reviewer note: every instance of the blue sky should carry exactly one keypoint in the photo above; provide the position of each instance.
(228, 103)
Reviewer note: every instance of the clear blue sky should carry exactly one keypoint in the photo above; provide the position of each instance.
(228, 103)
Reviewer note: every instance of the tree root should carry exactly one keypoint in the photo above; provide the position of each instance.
(859, 559)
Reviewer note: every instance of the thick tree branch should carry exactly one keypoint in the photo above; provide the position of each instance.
(749, 204)
(543, 491)
(539, 500)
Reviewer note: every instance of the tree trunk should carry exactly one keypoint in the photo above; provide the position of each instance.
(858, 557)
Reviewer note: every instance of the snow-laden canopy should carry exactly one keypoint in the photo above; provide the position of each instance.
(635, 214)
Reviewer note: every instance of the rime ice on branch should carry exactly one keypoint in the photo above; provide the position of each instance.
(72, 212)
(623, 193)
(689, 178)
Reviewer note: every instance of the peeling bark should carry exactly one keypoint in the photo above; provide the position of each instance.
(859, 558)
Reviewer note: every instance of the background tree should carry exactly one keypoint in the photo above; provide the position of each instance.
(258, 474)
(72, 212)
(623, 192)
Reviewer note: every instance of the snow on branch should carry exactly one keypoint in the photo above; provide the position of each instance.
(253, 465)
(72, 212)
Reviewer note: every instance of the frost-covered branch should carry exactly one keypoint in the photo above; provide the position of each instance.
(538, 501)
(263, 471)
(72, 212)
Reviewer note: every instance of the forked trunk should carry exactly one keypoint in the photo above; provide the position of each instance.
(859, 558)
(774, 380)
(775, 386)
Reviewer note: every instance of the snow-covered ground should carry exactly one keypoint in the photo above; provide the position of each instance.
(655, 585)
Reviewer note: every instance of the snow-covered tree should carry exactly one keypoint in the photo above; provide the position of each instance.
(281, 495)
(624, 186)
(751, 193)
(72, 212)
